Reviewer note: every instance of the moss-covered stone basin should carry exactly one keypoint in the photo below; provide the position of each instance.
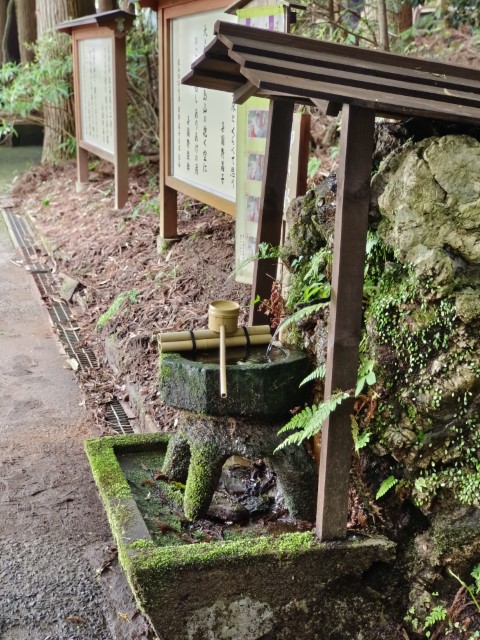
(281, 587)
(266, 389)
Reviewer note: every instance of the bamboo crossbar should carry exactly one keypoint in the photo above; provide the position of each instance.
(213, 343)
(200, 334)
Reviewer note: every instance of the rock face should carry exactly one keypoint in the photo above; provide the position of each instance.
(428, 195)
(422, 328)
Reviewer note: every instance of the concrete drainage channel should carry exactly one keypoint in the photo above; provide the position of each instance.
(116, 415)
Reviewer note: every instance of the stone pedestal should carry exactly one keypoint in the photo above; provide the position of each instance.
(201, 445)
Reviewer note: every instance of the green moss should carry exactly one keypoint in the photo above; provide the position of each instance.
(141, 544)
(114, 309)
(152, 570)
(111, 482)
(203, 476)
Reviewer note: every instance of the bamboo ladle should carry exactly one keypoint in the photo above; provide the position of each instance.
(223, 319)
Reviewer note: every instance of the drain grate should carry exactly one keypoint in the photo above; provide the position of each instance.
(44, 284)
(59, 313)
(83, 355)
(7, 202)
(117, 419)
(21, 233)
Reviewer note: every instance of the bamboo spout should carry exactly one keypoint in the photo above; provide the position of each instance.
(223, 367)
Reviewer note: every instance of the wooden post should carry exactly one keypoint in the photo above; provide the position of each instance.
(120, 121)
(351, 220)
(167, 195)
(272, 199)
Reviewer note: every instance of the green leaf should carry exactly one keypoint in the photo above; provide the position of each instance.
(360, 440)
(386, 485)
(360, 385)
(317, 374)
(310, 421)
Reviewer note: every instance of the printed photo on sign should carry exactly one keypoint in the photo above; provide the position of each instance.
(253, 207)
(257, 123)
(255, 166)
(251, 247)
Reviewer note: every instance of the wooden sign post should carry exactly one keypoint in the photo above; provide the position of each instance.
(197, 126)
(100, 92)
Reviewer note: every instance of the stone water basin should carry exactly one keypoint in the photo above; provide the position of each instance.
(259, 386)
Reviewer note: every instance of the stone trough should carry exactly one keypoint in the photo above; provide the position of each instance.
(282, 587)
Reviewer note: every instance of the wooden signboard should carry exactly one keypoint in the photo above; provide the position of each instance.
(99, 73)
(197, 127)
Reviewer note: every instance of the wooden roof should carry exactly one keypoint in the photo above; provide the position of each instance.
(248, 61)
(116, 20)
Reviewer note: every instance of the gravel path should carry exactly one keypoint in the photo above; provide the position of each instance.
(57, 577)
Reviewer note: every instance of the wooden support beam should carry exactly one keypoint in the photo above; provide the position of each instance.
(272, 199)
(167, 196)
(351, 220)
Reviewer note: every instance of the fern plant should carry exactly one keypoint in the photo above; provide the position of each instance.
(309, 421)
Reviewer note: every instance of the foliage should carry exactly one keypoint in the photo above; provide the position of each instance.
(309, 278)
(464, 12)
(472, 589)
(310, 420)
(25, 89)
(340, 23)
(437, 614)
(366, 374)
(360, 440)
(386, 485)
(114, 309)
(142, 87)
(317, 374)
(48, 80)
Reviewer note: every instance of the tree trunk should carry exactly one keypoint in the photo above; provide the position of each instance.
(59, 119)
(403, 18)
(105, 5)
(9, 37)
(3, 21)
(27, 28)
(383, 25)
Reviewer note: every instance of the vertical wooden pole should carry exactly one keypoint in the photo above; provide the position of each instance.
(351, 220)
(272, 198)
(82, 155)
(120, 127)
(168, 196)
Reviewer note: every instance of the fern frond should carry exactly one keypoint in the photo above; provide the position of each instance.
(317, 374)
(386, 485)
(310, 420)
(302, 313)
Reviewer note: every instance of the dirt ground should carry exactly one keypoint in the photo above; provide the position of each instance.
(114, 253)
(59, 578)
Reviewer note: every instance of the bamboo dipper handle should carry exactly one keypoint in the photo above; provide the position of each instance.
(223, 368)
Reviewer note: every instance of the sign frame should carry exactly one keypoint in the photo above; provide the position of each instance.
(111, 26)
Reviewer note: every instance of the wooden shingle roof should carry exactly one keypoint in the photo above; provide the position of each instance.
(248, 61)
